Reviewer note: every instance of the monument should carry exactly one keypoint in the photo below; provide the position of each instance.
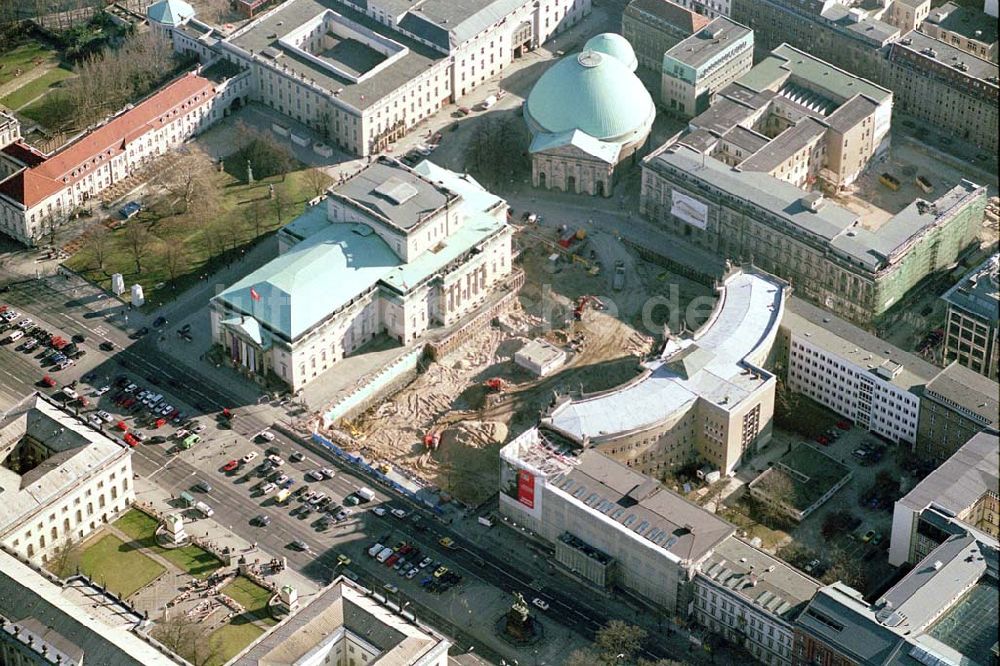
(520, 627)
(171, 532)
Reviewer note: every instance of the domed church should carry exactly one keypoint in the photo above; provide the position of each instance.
(587, 114)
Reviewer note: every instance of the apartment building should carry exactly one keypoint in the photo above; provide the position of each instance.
(751, 599)
(843, 34)
(972, 320)
(59, 478)
(796, 118)
(390, 250)
(697, 67)
(965, 28)
(822, 248)
(962, 490)
(955, 405)
(705, 397)
(363, 74)
(852, 372)
(608, 524)
(939, 84)
(652, 27)
(52, 187)
(710, 8)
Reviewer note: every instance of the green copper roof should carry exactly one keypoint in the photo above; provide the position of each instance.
(613, 45)
(594, 93)
(170, 12)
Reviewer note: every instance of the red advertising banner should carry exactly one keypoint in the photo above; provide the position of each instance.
(526, 488)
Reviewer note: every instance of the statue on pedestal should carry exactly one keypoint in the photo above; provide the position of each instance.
(519, 621)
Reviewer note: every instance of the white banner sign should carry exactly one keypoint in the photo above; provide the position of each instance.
(689, 209)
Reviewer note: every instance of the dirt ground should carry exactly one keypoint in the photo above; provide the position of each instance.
(450, 399)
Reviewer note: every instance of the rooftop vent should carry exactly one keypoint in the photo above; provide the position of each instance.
(712, 33)
(937, 565)
(396, 191)
(813, 201)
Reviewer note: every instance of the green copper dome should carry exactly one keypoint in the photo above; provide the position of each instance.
(613, 45)
(594, 93)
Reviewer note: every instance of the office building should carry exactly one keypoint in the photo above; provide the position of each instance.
(796, 118)
(45, 621)
(855, 267)
(972, 320)
(710, 8)
(751, 599)
(955, 405)
(610, 525)
(966, 28)
(50, 188)
(943, 86)
(854, 373)
(702, 64)
(59, 479)
(363, 74)
(587, 114)
(705, 397)
(963, 490)
(390, 250)
(944, 611)
(652, 27)
(345, 623)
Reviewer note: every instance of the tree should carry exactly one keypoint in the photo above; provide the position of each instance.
(317, 180)
(174, 258)
(255, 216)
(65, 559)
(619, 638)
(188, 638)
(585, 657)
(215, 237)
(846, 569)
(780, 492)
(139, 242)
(96, 244)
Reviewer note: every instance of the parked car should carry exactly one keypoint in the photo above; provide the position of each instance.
(378, 511)
(540, 603)
(130, 210)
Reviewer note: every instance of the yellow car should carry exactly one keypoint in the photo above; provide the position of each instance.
(447, 542)
(343, 559)
(440, 572)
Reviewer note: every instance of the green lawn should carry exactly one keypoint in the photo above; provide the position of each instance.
(118, 566)
(36, 88)
(191, 559)
(248, 594)
(189, 231)
(231, 639)
(23, 57)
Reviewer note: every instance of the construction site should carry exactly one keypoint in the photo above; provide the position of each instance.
(584, 308)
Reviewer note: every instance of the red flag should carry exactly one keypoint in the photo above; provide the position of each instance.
(254, 295)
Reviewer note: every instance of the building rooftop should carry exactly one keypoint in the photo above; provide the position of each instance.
(341, 611)
(978, 292)
(811, 473)
(840, 337)
(669, 12)
(927, 49)
(446, 23)
(962, 479)
(72, 619)
(840, 617)
(716, 364)
(965, 21)
(787, 62)
(73, 451)
(761, 579)
(335, 262)
(967, 391)
(638, 506)
(83, 157)
(704, 46)
(263, 36)
(399, 196)
(862, 27)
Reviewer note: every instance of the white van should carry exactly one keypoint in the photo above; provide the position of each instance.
(375, 550)
(16, 335)
(204, 509)
(366, 494)
(489, 102)
(384, 555)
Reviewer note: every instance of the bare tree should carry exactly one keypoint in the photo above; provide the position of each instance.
(188, 638)
(174, 257)
(139, 242)
(215, 237)
(619, 638)
(780, 492)
(65, 559)
(317, 180)
(255, 215)
(96, 243)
